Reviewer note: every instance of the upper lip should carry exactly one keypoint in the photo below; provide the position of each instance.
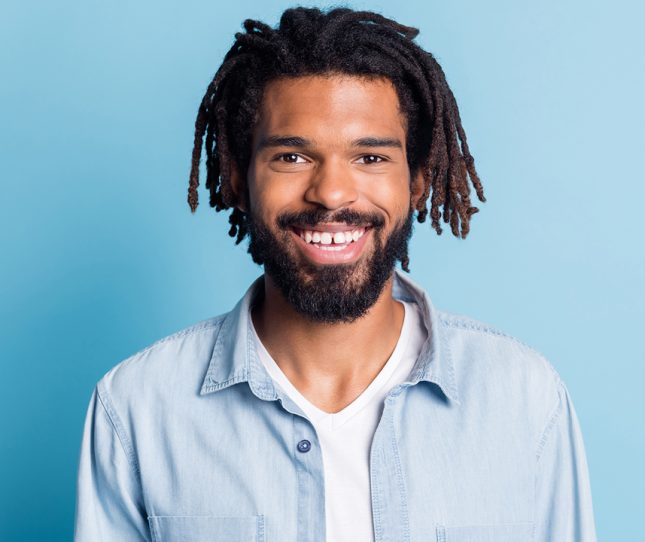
(332, 227)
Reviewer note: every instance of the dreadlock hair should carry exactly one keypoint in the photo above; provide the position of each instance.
(308, 41)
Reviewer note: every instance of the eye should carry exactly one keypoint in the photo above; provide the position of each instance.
(371, 159)
(290, 158)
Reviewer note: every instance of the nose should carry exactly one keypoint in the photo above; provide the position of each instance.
(332, 186)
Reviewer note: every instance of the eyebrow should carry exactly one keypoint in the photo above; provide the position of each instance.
(283, 141)
(301, 142)
(377, 142)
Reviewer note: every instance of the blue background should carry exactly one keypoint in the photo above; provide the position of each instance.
(101, 256)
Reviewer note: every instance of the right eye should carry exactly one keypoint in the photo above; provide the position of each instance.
(290, 158)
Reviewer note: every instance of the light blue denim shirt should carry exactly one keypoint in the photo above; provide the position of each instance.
(191, 440)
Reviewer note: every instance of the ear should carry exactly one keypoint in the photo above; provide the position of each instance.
(239, 188)
(416, 187)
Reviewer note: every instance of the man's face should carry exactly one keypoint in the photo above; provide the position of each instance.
(329, 192)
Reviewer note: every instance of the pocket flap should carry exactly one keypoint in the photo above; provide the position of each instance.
(207, 529)
(505, 532)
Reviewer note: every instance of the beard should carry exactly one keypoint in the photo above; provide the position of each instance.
(330, 293)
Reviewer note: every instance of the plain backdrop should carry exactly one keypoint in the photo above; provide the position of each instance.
(100, 255)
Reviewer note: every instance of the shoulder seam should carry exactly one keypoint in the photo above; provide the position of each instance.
(553, 418)
(208, 324)
(112, 415)
(473, 325)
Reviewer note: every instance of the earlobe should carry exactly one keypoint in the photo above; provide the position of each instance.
(238, 187)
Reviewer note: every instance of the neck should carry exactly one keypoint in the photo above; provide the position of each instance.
(330, 364)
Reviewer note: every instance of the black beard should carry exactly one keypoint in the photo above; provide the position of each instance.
(328, 293)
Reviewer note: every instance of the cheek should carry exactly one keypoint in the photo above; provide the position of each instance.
(392, 194)
(272, 194)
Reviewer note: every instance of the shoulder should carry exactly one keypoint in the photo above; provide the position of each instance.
(177, 360)
(478, 339)
(493, 365)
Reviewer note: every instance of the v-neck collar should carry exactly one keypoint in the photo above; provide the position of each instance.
(334, 420)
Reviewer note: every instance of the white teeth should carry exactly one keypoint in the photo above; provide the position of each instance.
(327, 238)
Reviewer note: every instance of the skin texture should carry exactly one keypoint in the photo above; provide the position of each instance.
(330, 169)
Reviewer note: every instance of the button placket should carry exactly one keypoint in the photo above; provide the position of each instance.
(307, 455)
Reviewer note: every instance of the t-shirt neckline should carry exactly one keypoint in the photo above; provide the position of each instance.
(337, 419)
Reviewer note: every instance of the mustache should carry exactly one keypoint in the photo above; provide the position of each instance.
(312, 217)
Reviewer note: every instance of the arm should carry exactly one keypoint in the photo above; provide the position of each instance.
(109, 503)
(562, 491)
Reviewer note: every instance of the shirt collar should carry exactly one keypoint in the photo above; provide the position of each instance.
(234, 358)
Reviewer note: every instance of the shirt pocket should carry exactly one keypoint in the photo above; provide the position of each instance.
(506, 532)
(207, 529)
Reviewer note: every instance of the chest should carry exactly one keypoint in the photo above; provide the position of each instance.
(425, 471)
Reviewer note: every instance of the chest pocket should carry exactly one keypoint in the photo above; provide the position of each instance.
(207, 529)
(508, 532)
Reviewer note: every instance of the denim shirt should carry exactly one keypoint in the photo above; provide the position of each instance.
(191, 440)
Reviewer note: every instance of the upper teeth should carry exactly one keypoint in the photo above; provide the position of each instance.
(326, 237)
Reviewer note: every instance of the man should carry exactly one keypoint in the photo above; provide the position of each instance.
(334, 402)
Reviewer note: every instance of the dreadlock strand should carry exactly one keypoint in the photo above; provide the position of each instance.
(200, 126)
(253, 26)
(308, 41)
(408, 32)
(422, 78)
(469, 160)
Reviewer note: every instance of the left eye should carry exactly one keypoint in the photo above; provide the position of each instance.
(371, 159)
(291, 158)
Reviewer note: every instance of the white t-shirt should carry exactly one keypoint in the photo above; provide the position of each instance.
(346, 436)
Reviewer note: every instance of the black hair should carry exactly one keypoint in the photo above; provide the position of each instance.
(308, 41)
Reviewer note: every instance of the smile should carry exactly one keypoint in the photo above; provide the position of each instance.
(333, 243)
(331, 240)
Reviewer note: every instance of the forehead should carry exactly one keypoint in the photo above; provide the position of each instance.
(331, 106)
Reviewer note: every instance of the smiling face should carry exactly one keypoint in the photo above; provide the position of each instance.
(330, 192)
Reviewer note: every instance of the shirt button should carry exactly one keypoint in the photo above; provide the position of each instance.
(304, 446)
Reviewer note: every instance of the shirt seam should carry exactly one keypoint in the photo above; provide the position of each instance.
(556, 412)
(197, 328)
(117, 426)
(472, 325)
(554, 416)
(401, 480)
(235, 379)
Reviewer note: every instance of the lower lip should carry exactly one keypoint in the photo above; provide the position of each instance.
(349, 254)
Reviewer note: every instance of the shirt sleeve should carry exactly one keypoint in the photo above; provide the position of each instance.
(109, 503)
(563, 493)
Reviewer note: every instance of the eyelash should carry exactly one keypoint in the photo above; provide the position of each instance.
(380, 158)
(281, 158)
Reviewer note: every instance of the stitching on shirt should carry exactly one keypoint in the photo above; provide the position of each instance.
(376, 492)
(201, 326)
(555, 415)
(450, 366)
(473, 325)
(400, 480)
(153, 528)
(260, 526)
(241, 377)
(460, 322)
(128, 449)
